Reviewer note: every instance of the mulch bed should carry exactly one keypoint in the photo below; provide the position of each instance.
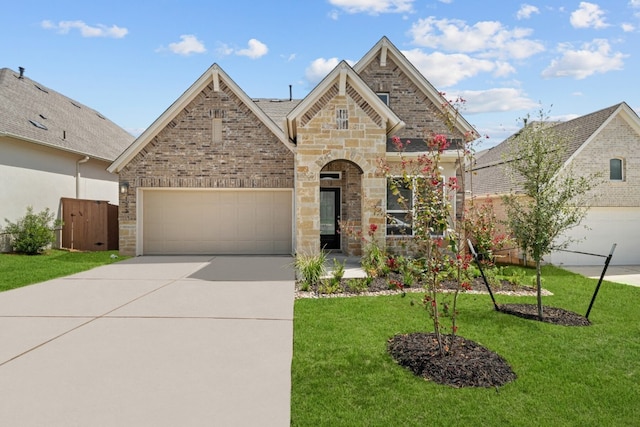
(555, 315)
(466, 364)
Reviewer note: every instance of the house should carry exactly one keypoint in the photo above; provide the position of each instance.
(52, 147)
(607, 142)
(221, 173)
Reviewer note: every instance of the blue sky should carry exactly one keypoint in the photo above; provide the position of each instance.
(130, 60)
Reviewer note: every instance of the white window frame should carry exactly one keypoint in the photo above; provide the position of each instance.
(412, 210)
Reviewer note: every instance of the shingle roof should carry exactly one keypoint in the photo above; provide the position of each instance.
(32, 112)
(489, 171)
(277, 109)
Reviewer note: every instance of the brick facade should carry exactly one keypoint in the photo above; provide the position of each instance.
(616, 140)
(185, 155)
(219, 140)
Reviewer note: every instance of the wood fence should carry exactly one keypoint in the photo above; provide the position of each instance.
(89, 225)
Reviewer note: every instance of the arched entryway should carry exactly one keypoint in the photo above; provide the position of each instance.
(340, 206)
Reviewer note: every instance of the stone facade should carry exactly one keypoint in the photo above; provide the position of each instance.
(320, 143)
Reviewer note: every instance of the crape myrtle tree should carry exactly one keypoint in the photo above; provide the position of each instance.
(552, 198)
(420, 187)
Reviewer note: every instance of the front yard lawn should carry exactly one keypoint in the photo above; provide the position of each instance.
(19, 270)
(342, 374)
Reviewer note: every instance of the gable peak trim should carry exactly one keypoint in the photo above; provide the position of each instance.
(383, 53)
(215, 76)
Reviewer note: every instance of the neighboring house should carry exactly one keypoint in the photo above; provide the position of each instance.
(52, 147)
(221, 173)
(608, 142)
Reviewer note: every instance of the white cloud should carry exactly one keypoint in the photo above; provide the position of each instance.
(591, 58)
(634, 3)
(488, 38)
(628, 28)
(495, 100)
(444, 70)
(588, 15)
(503, 69)
(255, 49)
(319, 68)
(374, 7)
(224, 49)
(63, 27)
(526, 10)
(189, 44)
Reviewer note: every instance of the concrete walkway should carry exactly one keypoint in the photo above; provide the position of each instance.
(151, 341)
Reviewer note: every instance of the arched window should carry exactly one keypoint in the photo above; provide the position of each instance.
(616, 170)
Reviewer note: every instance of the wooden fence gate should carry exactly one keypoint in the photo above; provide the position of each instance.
(89, 225)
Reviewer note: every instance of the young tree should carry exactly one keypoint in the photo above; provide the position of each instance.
(419, 186)
(551, 200)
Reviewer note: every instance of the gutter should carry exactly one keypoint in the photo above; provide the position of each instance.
(78, 163)
(52, 146)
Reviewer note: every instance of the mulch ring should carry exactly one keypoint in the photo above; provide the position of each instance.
(466, 364)
(554, 315)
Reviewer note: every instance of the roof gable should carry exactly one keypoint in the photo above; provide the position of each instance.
(214, 75)
(32, 112)
(341, 77)
(489, 173)
(386, 50)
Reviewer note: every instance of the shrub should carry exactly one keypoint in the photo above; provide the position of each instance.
(359, 285)
(34, 232)
(330, 286)
(311, 267)
(338, 269)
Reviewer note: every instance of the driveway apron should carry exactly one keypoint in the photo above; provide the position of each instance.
(151, 341)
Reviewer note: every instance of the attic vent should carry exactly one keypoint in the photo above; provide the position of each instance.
(43, 90)
(217, 114)
(42, 117)
(342, 119)
(74, 104)
(100, 115)
(38, 124)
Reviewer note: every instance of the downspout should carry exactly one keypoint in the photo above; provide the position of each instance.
(78, 163)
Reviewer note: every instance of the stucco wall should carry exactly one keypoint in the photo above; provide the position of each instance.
(38, 176)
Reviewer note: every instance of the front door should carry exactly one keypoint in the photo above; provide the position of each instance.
(329, 217)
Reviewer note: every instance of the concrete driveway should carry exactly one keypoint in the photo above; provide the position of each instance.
(151, 341)
(626, 274)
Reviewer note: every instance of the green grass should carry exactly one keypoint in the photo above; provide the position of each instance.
(567, 376)
(20, 270)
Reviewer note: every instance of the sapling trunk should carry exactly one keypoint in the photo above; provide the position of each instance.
(539, 288)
